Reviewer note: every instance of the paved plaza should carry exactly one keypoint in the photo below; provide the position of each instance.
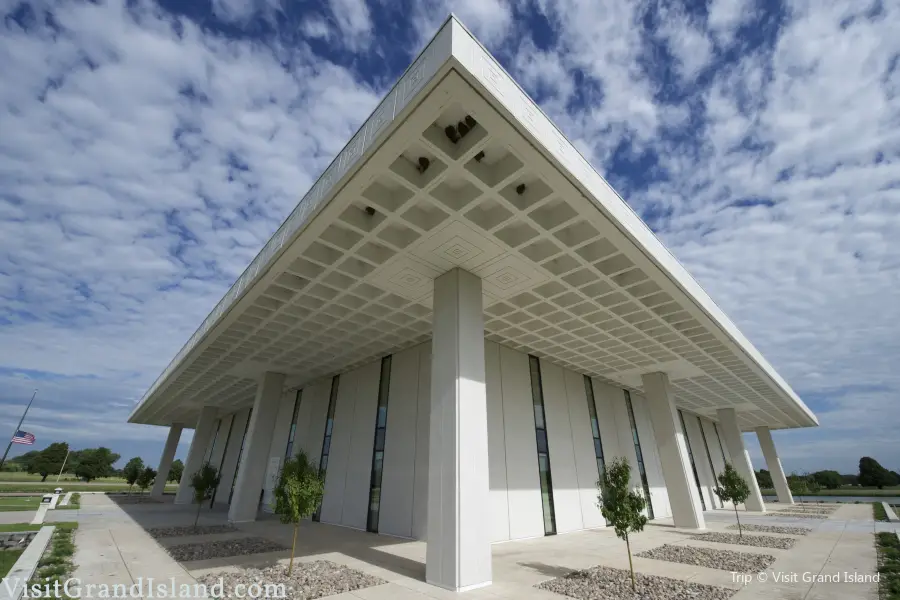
(114, 547)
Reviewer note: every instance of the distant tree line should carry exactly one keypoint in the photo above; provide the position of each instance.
(871, 474)
(88, 464)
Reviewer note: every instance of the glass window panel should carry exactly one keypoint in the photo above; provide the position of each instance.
(598, 450)
(379, 439)
(542, 441)
(326, 446)
(381, 421)
(595, 428)
(329, 425)
(539, 417)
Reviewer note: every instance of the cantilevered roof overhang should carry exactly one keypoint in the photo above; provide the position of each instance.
(570, 273)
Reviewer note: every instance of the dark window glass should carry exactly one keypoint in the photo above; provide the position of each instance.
(540, 427)
(237, 465)
(292, 435)
(687, 443)
(595, 426)
(326, 440)
(640, 456)
(384, 386)
(712, 469)
(542, 441)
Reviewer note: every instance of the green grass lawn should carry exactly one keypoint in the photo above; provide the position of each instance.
(70, 487)
(854, 491)
(878, 512)
(12, 503)
(21, 476)
(74, 503)
(7, 559)
(7, 527)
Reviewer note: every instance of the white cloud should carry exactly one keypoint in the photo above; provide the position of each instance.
(354, 22)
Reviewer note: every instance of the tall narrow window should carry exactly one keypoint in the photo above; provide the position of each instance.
(384, 387)
(712, 469)
(595, 427)
(289, 451)
(687, 442)
(540, 426)
(224, 454)
(237, 465)
(721, 447)
(640, 456)
(212, 447)
(326, 440)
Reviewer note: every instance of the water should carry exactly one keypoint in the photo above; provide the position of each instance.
(850, 499)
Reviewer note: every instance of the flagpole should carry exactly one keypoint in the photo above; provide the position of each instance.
(64, 465)
(18, 427)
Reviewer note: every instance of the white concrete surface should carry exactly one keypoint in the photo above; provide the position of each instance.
(231, 453)
(165, 461)
(40, 514)
(252, 469)
(767, 444)
(203, 433)
(740, 458)
(458, 555)
(889, 511)
(66, 499)
(682, 491)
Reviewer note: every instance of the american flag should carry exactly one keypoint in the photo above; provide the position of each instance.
(23, 437)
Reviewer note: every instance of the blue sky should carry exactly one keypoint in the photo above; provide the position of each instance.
(149, 149)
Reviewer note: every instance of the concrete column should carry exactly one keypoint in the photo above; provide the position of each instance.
(229, 460)
(673, 455)
(458, 555)
(203, 432)
(774, 464)
(252, 470)
(740, 458)
(165, 461)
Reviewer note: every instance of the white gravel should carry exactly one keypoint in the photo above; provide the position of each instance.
(605, 583)
(726, 560)
(796, 515)
(167, 532)
(760, 541)
(774, 529)
(221, 548)
(308, 580)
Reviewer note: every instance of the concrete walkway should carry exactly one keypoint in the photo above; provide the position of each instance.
(114, 548)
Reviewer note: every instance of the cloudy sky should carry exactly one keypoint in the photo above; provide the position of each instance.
(148, 150)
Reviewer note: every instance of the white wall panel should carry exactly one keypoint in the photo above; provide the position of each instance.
(339, 455)
(526, 517)
(398, 475)
(615, 428)
(566, 497)
(701, 463)
(583, 447)
(278, 446)
(652, 465)
(311, 420)
(359, 465)
(218, 453)
(496, 444)
(423, 429)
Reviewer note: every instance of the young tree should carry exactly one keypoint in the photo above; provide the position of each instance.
(298, 493)
(176, 470)
(798, 485)
(145, 478)
(49, 460)
(132, 471)
(204, 482)
(732, 488)
(621, 505)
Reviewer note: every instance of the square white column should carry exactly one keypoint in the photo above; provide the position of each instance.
(740, 458)
(252, 469)
(673, 456)
(203, 433)
(165, 461)
(458, 555)
(774, 464)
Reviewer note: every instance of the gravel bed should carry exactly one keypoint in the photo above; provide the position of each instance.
(774, 529)
(221, 548)
(308, 579)
(133, 499)
(804, 508)
(760, 541)
(605, 583)
(167, 532)
(796, 515)
(726, 560)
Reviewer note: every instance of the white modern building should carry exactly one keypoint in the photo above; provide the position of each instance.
(462, 321)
